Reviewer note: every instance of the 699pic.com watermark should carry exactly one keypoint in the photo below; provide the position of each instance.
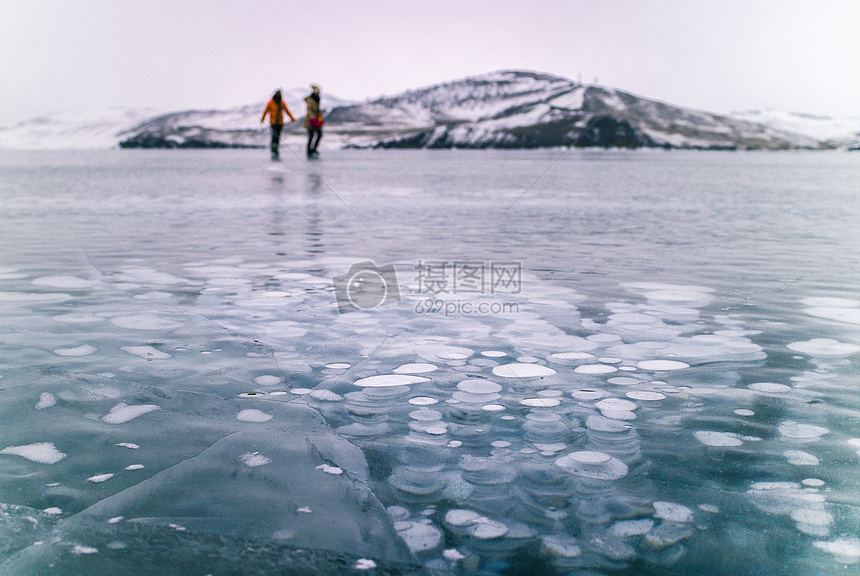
(448, 287)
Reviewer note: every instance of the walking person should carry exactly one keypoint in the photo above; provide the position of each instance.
(314, 121)
(275, 109)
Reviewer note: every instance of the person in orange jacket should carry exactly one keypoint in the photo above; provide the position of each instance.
(275, 110)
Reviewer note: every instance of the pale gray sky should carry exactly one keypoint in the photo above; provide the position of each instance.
(717, 55)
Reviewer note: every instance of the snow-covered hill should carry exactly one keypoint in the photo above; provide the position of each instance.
(519, 109)
(838, 132)
(505, 109)
(61, 131)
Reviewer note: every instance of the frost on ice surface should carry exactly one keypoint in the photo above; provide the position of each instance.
(122, 412)
(252, 415)
(41, 452)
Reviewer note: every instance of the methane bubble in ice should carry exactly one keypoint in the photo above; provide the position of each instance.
(661, 365)
(252, 460)
(84, 350)
(617, 408)
(99, 478)
(517, 370)
(78, 318)
(338, 366)
(710, 438)
(486, 529)
(41, 452)
(769, 387)
(540, 402)
(628, 528)
(267, 380)
(672, 512)
(845, 550)
(570, 357)
(744, 412)
(423, 401)
(458, 518)
(417, 536)
(145, 322)
(839, 309)
(328, 469)
(478, 386)
(594, 465)
(588, 394)
(824, 347)
(797, 432)
(251, 415)
(812, 522)
(46, 400)
(800, 458)
(595, 369)
(389, 380)
(147, 352)
(122, 412)
(493, 353)
(646, 395)
(65, 282)
(415, 368)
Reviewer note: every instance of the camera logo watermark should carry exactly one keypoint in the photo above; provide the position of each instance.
(366, 286)
(444, 286)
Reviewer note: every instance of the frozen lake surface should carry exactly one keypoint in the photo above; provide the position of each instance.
(416, 362)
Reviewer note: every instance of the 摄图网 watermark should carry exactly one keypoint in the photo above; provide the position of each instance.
(367, 286)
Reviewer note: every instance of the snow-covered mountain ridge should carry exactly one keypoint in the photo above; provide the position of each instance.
(505, 109)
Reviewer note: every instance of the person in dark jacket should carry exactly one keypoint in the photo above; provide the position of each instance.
(313, 120)
(275, 110)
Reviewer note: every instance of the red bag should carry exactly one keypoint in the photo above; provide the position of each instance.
(316, 121)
